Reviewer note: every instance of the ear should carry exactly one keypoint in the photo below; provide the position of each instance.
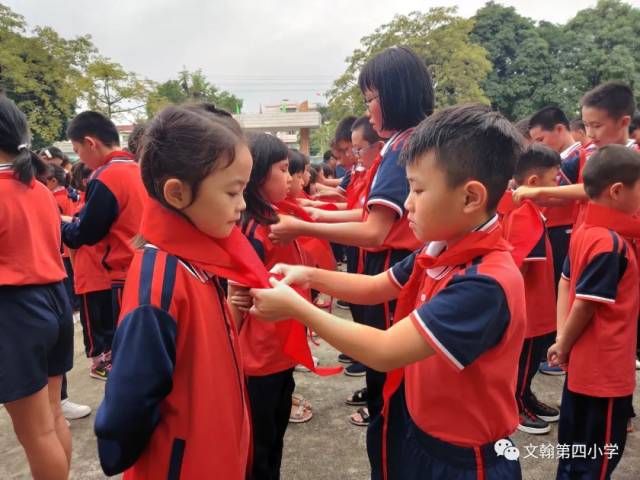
(625, 121)
(532, 180)
(475, 197)
(91, 142)
(177, 193)
(615, 190)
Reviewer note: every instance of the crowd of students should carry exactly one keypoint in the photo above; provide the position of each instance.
(471, 251)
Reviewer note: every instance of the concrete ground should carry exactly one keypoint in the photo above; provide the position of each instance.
(326, 448)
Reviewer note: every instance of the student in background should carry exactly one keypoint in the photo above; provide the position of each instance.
(579, 132)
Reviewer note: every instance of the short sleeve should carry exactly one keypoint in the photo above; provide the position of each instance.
(465, 319)
(346, 180)
(566, 268)
(599, 279)
(390, 186)
(539, 250)
(401, 271)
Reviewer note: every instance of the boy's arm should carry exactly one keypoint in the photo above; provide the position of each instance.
(331, 182)
(336, 216)
(239, 301)
(370, 233)
(144, 356)
(581, 314)
(94, 220)
(567, 193)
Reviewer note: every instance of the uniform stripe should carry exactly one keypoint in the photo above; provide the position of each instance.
(479, 463)
(435, 342)
(168, 282)
(146, 276)
(607, 438)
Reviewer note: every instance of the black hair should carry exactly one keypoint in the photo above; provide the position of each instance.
(180, 143)
(93, 124)
(327, 171)
(404, 86)
(608, 165)
(577, 124)
(536, 158)
(58, 173)
(635, 123)
(79, 173)
(328, 155)
(615, 98)
(266, 150)
(368, 133)
(313, 178)
(133, 142)
(547, 118)
(222, 116)
(54, 152)
(343, 130)
(296, 161)
(470, 142)
(523, 127)
(14, 141)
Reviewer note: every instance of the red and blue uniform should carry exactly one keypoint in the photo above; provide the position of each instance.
(596, 404)
(35, 315)
(175, 401)
(468, 304)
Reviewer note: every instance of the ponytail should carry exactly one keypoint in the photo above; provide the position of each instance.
(27, 164)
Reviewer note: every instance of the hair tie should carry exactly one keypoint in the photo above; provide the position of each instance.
(24, 146)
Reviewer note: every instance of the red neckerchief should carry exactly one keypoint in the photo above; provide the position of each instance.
(527, 235)
(371, 174)
(622, 223)
(475, 244)
(232, 257)
(289, 206)
(356, 189)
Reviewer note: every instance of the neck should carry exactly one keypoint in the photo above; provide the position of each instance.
(6, 158)
(608, 202)
(473, 225)
(568, 141)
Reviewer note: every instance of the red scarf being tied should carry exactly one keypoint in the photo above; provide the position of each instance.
(233, 258)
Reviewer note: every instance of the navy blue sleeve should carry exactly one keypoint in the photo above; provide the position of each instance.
(539, 251)
(340, 171)
(600, 278)
(465, 319)
(144, 357)
(258, 246)
(390, 186)
(569, 170)
(401, 271)
(346, 180)
(95, 218)
(566, 268)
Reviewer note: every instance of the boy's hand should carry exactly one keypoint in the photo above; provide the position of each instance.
(277, 303)
(558, 355)
(293, 274)
(66, 218)
(285, 230)
(242, 300)
(522, 193)
(313, 212)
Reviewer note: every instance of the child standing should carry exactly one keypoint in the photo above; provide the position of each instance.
(175, 400)
(524, 227)
(597, 317)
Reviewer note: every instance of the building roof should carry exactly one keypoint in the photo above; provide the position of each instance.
(276, 121)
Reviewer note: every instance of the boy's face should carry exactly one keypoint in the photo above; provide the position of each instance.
(580, 136)
(89, 152)
(437, 211)
(603, 129)
(345, 154)
(543, 178)
(554, 138)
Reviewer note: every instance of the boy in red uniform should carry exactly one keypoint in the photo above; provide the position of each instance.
(461, 311)
(113, 202)
(175, 401)
(597, 317)
(524, 227)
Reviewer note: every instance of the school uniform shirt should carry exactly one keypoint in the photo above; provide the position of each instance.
(263, 350)
(389, 188)
(175, 402)
(67, 206)
(29, 233)
(602, 267)
(346, 180)
(473, 316)
(564, 215)
(524, 228)
(112, 213)
(89, 273)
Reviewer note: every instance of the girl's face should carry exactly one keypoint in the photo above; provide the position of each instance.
(275, 187)
(374, 112)
(307, 174)
(297, 184)
(219, 202)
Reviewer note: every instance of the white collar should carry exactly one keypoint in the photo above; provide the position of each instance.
(565, 153)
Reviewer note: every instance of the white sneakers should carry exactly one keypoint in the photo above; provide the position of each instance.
(73, 411)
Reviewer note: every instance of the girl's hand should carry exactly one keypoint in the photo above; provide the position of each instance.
(285, 230)
(241, 299)
(314, 213)
(293, 274)
(522, 193)
(66, 218)
(277, 303)
(557, 355)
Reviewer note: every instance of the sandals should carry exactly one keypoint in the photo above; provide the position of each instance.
(360, 418)
(301, 411)
(357, 398)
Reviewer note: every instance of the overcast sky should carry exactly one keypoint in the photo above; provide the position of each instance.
(262, 51)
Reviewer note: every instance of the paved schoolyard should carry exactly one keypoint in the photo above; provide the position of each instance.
(327, 447)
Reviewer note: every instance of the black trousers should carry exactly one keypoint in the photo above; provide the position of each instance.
(532, 352)
(98, 325)
(270, 398)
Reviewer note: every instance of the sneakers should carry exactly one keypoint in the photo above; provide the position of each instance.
(530, 423)
(543, 411)
(73, 411)
(547, 370)
(355, 370)
(342, 304)
(100, 367)
(342, 358)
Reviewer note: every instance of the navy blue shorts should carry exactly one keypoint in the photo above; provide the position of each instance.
(36, 339)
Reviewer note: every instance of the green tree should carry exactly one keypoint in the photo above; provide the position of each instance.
(441, 38)
(191, 87)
